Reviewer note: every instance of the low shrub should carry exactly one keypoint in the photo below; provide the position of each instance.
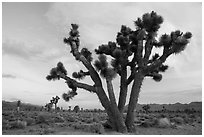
(5, 124)
(71, 119)
(149, 123)
(30, 121)
(59, 119)
(44, 118)
(93, 127)
(18, 124)
(178, 120)
(163, 123)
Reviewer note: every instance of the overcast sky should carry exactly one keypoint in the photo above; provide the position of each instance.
(32, 43)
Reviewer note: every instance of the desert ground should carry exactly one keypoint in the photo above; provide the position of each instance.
(85, 123)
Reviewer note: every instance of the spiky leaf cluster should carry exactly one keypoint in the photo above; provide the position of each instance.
(150, 22)
(87, 54)
(175, 42)
(71, 85)
(155, 74)
(74, 30)
(61, 68)
(102, 65)
(123, 37)
(115, 63)
(157, 77)
(106, 48)
(54, 72)
(79, 75)
(69, 95)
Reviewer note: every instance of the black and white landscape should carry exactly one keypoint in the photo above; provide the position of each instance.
(101, 68)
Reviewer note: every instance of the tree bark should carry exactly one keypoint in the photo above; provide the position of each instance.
(123, 90)
(139, 77)
(118, 118)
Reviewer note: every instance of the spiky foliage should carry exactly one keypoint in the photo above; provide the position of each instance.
(71, 85)
(150, 22)
(54, 72)
(102, 65)
(87, 54)
(61, 68)
(157, 77)
(106, 48)
(175, 42)
(80, 75)
(74, 31)
(115, 63)
(163, 68)
(123, 37)
(69, 95)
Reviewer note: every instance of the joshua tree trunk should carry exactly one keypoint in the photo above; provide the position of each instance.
(118, 118)
(133, 101)
(123, 90)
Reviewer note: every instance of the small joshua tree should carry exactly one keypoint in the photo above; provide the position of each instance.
(55, 101)
(76, 109)
(132, 50)
(18, 105)
(146, 108)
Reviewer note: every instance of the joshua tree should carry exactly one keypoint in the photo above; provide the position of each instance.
(55, 101)
(18, 105)
(132, 50)
(76, 109)
(146, 108)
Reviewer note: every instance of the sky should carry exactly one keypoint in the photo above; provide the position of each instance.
(32, 43)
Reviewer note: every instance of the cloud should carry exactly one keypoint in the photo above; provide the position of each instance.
(20, 49)
(8, 76)
(29, 51)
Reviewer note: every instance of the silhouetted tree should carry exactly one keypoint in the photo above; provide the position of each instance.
(132, 49)
(55, 101)
(76, 109)
(18, 105)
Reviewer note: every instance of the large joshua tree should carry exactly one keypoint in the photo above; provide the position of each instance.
(132, 52)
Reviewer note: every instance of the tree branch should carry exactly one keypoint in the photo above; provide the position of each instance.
(148, 49)
(78, 84)
(139, 53)
(74, 49)
(156, 63)
(132, 75)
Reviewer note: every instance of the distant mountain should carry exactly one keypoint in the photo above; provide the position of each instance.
(173, 107)
(6, 105)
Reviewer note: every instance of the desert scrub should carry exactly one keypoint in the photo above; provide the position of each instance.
(30, 121)
(59, 119)
(178, 120)
(5, 124)
(93, 127)
(18, 124)
(71, 119)
(45, 118)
